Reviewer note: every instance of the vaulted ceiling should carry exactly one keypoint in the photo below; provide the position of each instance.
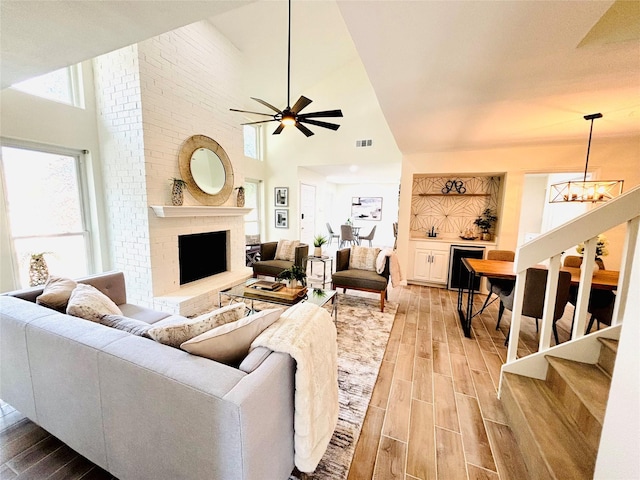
(447, 75)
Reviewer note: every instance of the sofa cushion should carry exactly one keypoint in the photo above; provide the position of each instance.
(286, 250)
(174, 333)
(90, 303)
(363, 258)
(56, 293)
(230, 343)
(146, 315)
(359, 279)
(126, 324)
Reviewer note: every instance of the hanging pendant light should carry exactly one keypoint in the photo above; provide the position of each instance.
(586, 191)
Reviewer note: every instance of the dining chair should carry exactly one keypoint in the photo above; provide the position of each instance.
(499, 285)
(534, 294)
(332, 234)
(602, 312)
(368, 237)
(346, 235)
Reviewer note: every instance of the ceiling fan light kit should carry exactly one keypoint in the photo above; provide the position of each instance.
(291, 116)
(586, 190)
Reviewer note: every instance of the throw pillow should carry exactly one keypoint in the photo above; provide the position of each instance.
(177, 333)
(131, 325)
(56, 293)
(90, 303)
(286, 250)
(230, 343)
(363, 258)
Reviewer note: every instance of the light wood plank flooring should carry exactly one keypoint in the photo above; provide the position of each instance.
(433, 414)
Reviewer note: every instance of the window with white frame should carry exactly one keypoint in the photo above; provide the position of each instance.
(252, 200)
(44, 191)
(252, 147)
(63, 86)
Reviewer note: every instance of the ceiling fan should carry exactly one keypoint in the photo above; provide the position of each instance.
(291, 115)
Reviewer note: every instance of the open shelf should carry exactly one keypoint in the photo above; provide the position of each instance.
(453, 194)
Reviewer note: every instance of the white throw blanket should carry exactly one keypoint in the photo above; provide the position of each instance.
(306, 332)
(394, 265)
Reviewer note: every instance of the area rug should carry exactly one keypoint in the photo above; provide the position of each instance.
(363, 333)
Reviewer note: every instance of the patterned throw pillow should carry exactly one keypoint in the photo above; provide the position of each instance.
(90, 303)
(230, 343)
(126, 324)
(56, 293)
(177, 333)
(286, 250)
(363, 258)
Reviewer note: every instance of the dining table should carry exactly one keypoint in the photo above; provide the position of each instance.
(477, 267)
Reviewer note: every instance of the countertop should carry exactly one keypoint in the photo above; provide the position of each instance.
(419, 236)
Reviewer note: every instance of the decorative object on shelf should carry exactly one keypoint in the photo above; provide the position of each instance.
(281, 196)
(601, 251)
(586, 190)
(293, 275)
(318, 242)
(38, 269)
(468, 235)
(240, 197)
(457, 185)
(282, 218)
(291, 116)
(177, 191)
(485, 223)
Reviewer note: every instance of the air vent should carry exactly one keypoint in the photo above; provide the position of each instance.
(363, 143)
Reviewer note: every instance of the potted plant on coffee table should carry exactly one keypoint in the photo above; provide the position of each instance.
(294, 275)
(485, 222)
(318, 242)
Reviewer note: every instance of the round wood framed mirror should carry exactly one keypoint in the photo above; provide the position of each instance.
(206, 169)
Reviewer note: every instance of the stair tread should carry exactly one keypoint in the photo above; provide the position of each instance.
(587, 381)
(610, 343)
(560, 442)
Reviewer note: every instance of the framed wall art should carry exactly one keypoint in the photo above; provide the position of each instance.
(281, 196)
(282, 218)
(366, 208)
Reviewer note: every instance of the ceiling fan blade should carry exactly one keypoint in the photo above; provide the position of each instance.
(260, 121)
(268, 105)
(326, 113)
(300, 104)
(247, 111)
(304, 129)
(278, 130)
(332, 126)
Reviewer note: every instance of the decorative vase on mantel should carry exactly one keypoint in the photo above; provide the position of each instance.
(38, 269)
(240, 198)
(177, 192)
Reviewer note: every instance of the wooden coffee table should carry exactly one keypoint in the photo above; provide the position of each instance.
(317, 296)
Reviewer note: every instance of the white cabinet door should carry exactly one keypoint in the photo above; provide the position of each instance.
(421, 264)
(439, 266)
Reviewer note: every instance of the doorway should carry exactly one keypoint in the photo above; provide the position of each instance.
(307, 214)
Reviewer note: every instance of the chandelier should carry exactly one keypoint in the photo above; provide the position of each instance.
(586, 190)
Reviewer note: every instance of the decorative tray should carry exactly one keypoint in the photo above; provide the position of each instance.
(285, 294)
(468, 238)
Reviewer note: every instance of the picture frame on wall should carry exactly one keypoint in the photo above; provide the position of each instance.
(282, 218)
(281, 196)
(366, 208)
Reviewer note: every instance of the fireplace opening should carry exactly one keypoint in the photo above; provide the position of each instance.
(202, 255)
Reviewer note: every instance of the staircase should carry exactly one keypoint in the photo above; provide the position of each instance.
(558, 421)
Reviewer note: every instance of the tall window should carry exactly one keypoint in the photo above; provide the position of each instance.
(45, 210)
(251, 135)
(63, 86)
(252, 200)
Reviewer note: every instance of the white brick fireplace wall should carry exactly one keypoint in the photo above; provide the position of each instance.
(187, 80)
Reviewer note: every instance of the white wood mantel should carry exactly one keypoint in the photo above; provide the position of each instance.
(165, 211)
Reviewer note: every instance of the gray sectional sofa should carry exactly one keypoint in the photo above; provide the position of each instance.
(140, 409)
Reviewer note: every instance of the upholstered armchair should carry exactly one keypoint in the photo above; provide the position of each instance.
(346, 276)
(273, 262)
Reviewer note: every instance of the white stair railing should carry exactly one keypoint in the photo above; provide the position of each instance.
(624, 209)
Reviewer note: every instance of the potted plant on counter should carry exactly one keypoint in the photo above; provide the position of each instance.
(318, 242)
(485, 222)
